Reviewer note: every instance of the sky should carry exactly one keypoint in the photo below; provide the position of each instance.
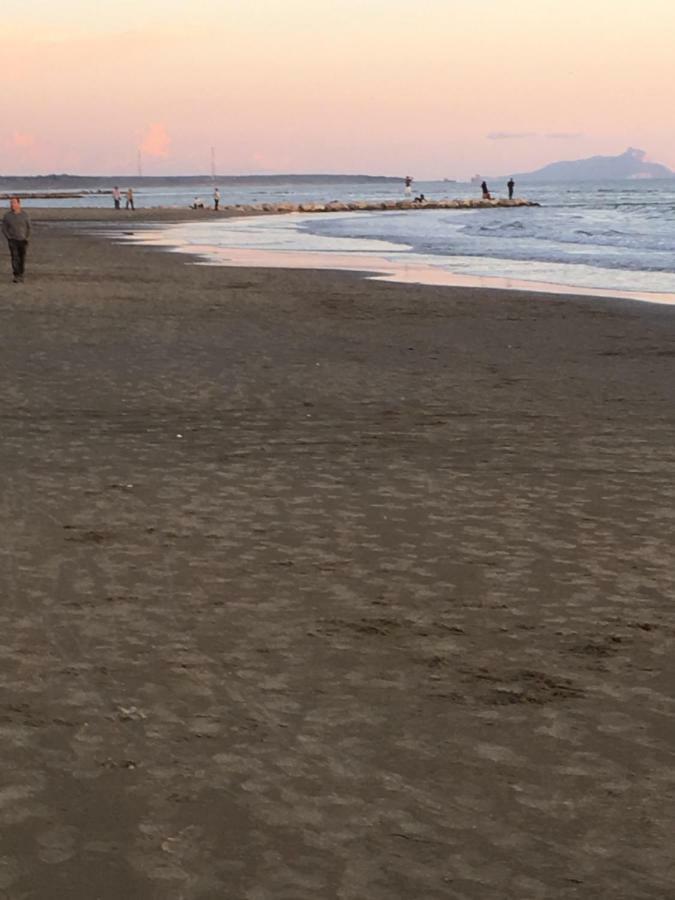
(434, 88)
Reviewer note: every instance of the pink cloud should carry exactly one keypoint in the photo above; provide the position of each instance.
(20, 150)
(269, 162)
(156, 141)
(22, 141)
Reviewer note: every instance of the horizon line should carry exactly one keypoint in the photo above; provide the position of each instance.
(210, 176)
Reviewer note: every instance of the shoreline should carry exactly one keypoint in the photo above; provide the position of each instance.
(377, 268)
(330, 586)
(370, 265)
(365, 265)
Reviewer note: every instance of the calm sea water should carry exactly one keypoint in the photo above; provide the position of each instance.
(614, 235)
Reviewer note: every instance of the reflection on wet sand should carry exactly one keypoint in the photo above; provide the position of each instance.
(382, 269)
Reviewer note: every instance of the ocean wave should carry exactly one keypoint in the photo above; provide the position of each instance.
(606, 237)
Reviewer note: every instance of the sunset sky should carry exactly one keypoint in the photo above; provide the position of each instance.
(439, 88)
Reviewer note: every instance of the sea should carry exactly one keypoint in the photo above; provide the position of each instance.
(616, 236)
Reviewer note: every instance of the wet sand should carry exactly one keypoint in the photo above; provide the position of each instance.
(315, 587)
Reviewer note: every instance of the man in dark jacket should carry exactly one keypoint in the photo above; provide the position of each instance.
(16, 228)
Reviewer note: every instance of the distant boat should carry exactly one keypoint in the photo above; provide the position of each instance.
(450, 180)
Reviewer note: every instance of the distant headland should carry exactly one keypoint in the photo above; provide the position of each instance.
(96, 182)
(631, 165)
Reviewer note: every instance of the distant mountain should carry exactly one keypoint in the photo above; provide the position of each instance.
(629, 165)
(93, 182)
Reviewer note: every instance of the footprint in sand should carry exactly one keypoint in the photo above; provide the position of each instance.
(57, 845)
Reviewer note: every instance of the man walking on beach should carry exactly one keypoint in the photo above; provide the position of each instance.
(130, 199)
(117, 197)
(216, 199)
(16, 228)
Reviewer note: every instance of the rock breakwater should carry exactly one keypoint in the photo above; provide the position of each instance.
(370, 206)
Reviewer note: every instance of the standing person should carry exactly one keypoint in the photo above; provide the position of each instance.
(408, 186)
(130, 199)
(216, 199)
(486, 192)
(16, 228)
(510, 185)
(117, 197)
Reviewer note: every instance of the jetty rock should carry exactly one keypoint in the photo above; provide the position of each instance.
(378, 206)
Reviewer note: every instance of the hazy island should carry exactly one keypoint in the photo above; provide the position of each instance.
(630, 165)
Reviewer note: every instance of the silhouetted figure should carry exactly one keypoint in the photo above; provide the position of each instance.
(486, 192)
(420, 199)
(117, 197)
(510, 185)
(216, 199)
(408, 186)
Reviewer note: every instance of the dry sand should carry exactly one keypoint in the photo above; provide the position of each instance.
(318, 588)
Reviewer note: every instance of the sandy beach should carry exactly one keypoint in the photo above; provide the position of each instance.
(319, 588)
